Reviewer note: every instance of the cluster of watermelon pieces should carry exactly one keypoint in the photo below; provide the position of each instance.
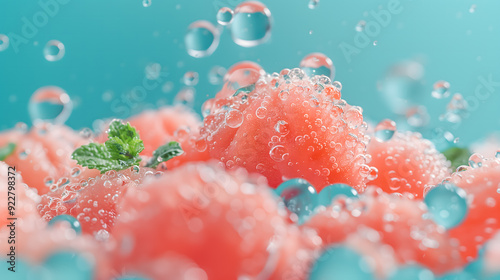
(282, 179)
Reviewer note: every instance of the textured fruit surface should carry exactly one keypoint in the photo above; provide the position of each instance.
(287, 126)
(481, 182)
(91, 197)
(396, 221)
(44, 151)
(157, 128)
(221, 221)
(407, 163)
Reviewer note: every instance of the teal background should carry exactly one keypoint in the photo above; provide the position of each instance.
(109, 43)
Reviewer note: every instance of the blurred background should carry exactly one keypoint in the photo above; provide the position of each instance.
(404, 60)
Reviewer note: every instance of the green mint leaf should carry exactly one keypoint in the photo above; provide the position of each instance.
(165, 153)
(119, 152)
(7, 151)
(457, 156)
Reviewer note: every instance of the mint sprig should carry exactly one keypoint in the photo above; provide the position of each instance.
(119, 152)
(7, 151)
(165, 153)
(457, 156)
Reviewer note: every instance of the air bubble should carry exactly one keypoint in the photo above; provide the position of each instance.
(318, 64)
(441, 89)
(4, 42)
(54, 50)
(447, 204)
(234, 118)
(299, 196)
(190, 78)
(50, 104)
(251, 24)
(202, 39)
(278, 153)
(224, 16)
(385, 130)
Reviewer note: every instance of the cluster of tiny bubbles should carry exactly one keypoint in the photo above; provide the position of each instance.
(342, 262)
(225, 16)
(146, 3)
(360, 26)
(54, 50)
(313, 4)
(69, 265)
(201, 39)
(50, 104)
(441, 89)
(318, 64)
(331, 192)
(417, 116)
(299, 196)
(456, 109)
(447, 204)
(152, 71)
(412, 272)
(216, 75)
(251, 25)
(185, 97)
(385, 130)
(4, 42)
(72, 221)
(191, 78)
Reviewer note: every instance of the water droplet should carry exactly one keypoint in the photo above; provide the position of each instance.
(152, 71)
(261, 112)
(353, 117)
(146, 3)
(447, 204)
(251, 24)
(360, 26)
(330, 192)
(456, 109)
(337, 85)
(476, 160)
(50, 104)
(278, 153)
(234, 118)
(185, 97)
(385, 130)
(224, 16)
(4, 42)
(48, 181)
(202, 38)
(54, 50)
(72, 221)
(313, 4)
(472, 8)
(441, 89)
(190, 78)
(299, 196)
(342, 262)
(318, 64)
(282, 127)
(375, 43)
(216, 75)
(75, 171)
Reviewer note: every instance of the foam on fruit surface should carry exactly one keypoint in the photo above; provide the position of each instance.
(481, 181)
(398, 222)
(289, 125)
(44, 151)
(92, 198)
(224, 222)
(407, 163)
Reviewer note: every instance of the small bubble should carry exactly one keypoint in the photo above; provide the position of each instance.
(216, 75)
(54, 50)
(318, 64)
(4, 42)
(441, 89)
(146, 3)
(313, 4)
(261, 112)
(185, 97)
(224, 16)
(75, 171)
(201, 39)
(278, 153)
(234, 118)
(476, 160)
(50, 104)
(472, 8)
(385, 130)
(282, 127)
(190, 78)
(360, 26)
(48, 181)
